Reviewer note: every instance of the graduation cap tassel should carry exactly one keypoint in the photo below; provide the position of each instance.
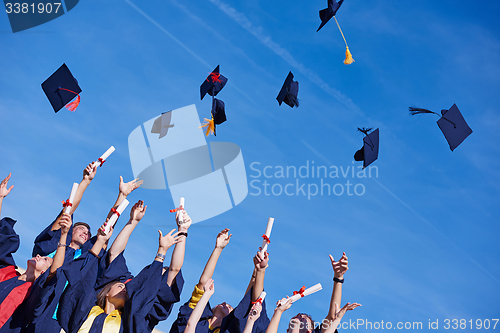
(210, 126)
(348, 56)
(73, 105)
(414, 111)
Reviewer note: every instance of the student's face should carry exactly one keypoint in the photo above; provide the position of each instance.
(300, 324)
(80, 234)
(41, 264)
(222, 310)
(118, 294)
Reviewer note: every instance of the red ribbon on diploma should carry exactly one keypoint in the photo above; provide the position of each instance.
(258, 300)
(301, 291)
(115, 211)
(67, 203)
(101, 160)
(266, 238)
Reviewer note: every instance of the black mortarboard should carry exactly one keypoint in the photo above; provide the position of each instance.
(451, 123)
(218, 116)
(213, 83)
(289, 92)
(60, 88)
(162, 124)
(369, 152)
(326, 14)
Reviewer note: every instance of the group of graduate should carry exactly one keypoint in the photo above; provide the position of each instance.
(81, 284)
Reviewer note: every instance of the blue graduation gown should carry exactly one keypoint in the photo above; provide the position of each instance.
(166, 296)
(10, 286)
(47, 298)
(185, 311)
(236, 320)
(148, 302)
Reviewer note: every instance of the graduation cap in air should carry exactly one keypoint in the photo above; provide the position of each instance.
(369, 152)
(213, 83)
(60, 88)
(218, 116)
(451, 123)
(325, 15)
(289, 92)
(162, 124)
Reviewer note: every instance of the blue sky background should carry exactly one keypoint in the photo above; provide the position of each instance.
(422, 241)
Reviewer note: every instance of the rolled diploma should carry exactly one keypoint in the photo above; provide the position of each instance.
(181, 218)
(268, 234)
(67, 209)
(105, 155)
(263, 296)
(308, 291)
(112, 220)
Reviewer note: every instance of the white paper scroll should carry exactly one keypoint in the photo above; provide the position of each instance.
(181, 218)
(268, 234)
(112, 220)
(104, 156)
(262, 297)
(67, 208)
(308, 291)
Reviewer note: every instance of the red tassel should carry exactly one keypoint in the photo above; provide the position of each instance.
(73, 105)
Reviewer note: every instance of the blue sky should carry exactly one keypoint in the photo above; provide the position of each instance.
(421, 240)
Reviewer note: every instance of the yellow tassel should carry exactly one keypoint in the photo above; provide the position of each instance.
(348, 56)
(210, 126)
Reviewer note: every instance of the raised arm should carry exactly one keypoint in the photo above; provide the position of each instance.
(165, 242)
(136, 214)
(281, 306)
(58, 260)
(125, 190)
(88, 174)
(102, 240)
(220, 243)
(259, 272)
(253, 315)
(177, 259)
(4, 190)
(208, 291)
(335, 314)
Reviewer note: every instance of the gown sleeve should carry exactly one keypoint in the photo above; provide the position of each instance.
(9, 242)
(236, 320)
(79, 296)
(46, 241)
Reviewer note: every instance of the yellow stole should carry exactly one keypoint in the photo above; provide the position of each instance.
(112, 322)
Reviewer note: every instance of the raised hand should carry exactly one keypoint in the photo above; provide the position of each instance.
(339, 313)
(259, 262)
(4, 191)
(65, 223)
(165, 242)
(209, 287)
(186, 220)
(127, 188)
(255, 311)
(138, 210)
(283, 304)
(89, 172)
(339, 267)
(100, 233)
(222, 239)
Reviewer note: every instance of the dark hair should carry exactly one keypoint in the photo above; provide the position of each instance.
(101, 296)
(85, 225)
